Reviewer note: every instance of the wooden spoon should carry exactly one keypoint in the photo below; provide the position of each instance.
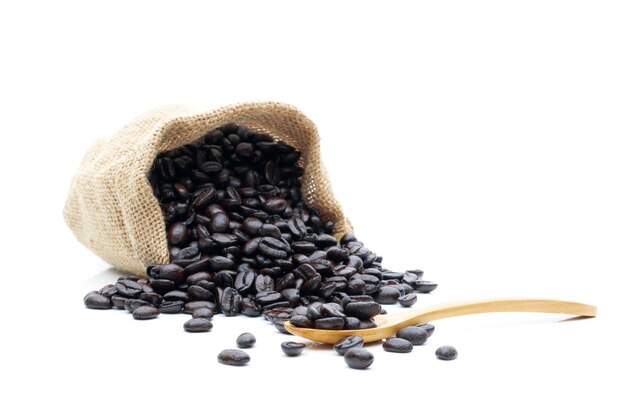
(388, 324)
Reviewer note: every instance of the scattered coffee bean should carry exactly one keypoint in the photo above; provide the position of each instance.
(202, 312)
(415, 335)
(291, 348)
(347, 343)
(397, 345)
(408, 300)
(97, 301)
(198, 325)
(246, 340)
(145, 312)
(358, 358)
(430, 329)
(233, 357)
(446, 353)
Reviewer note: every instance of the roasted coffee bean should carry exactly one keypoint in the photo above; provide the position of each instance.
(275, 205)
(365, 324)
(430, 329)
(446, 353)
(358, 358)
(244, 281)
(246, 340)
(198, 325)
(219, 223)
(176, 295)
(191, 306)
(145, 312)
(204, 198)
(250, 308)
(152, 298)
(301, 321)
(408, 300)
(362, 309)
(397, 345)
(233, 357)
(331, 310)
(177, 234)
(202, 313)
(347, 343)
(230, 302)
(291, 348)
(172, 272)
(273, 248)
(133, 304)
(97, 301)
(128, 288)
(352, 323)
(171, 307)
(119, 302)
(280, 326)
(198, 293)
(416, 335)
(424, 286)
(330, 323)
(108, 290)
(387, 295)
(219, 263)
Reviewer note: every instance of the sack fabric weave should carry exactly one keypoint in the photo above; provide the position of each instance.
(111, 208)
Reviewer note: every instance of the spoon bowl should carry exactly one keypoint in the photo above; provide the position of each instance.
(388, 324)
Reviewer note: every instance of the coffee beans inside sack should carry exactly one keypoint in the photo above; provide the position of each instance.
(250, 226)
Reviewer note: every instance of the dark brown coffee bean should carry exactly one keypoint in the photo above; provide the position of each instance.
(424, 287)
(358, 358)
(198, 325)
(250, 308)
(230, 302)
(177, 234)
(145, 312)
(219, 223)
(330, 323)
(347, 343)
(97, 301)
(446, 353)
(430, 329)
(204, 198)
(119, 302)
(171, 307)
(415, 335)
(194, 305)
(362, 309)
(233, 357)
(246, 340)
(291, 348)
(128, 288)
(408, 300)
(275, 205)
(397, 345)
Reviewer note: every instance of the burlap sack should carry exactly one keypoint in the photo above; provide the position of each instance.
(111, 208)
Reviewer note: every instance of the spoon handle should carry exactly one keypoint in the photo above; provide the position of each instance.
(425, 314)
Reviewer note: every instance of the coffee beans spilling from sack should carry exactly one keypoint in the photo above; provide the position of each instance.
(242, 241)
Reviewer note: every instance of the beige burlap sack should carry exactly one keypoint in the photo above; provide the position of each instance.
(111, 208)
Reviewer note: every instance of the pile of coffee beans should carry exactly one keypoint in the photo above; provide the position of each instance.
(242, 241)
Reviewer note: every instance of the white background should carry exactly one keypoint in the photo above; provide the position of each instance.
(486, 136)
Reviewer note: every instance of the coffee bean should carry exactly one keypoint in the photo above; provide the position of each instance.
(397, 345)
(177, 234)
(119, 302)
(132, 304)
(416, 335)
(330, 323)
(347, 343)
(387, 295)
(128, 288)
(198, 325)
(424, 286)
(97, 301)
(230, 302)
(362, 309)
(194, 305)
(219, 223)
(446, 353)
(408, 300)
(233, 357)
(171, 307)
(202, 312)
(291, 348)
(172, 272)
(430, 329)
(145, 312)
(358, 358)
(246, 340)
